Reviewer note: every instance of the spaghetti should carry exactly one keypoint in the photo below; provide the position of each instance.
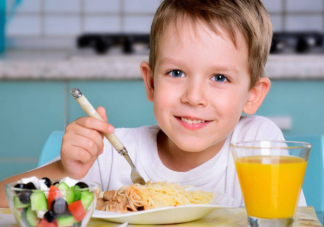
(152, 195)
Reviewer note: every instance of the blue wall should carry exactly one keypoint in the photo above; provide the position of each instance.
(125, 102)
(29, 112)
(2, 25)
(302, 100)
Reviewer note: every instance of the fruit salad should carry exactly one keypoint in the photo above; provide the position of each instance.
(43, 203)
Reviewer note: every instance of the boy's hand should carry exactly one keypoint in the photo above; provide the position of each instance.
(83, 143)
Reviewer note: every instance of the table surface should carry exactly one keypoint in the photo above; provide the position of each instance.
(305, 216)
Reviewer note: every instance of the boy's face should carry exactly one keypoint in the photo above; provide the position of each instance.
(201, 84)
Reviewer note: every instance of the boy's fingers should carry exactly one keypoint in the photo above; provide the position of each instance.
(92, 134)
(73, 153)
(93, 123)
(85, 143)
(79, 154)
(102, 112)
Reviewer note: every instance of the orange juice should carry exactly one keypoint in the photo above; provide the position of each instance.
(271, 184)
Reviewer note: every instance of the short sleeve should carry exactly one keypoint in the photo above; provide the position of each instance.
(252, 128)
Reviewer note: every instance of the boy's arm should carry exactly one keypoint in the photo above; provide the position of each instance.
(54, 170)
(82, 143)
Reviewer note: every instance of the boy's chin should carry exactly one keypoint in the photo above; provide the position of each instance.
(192, 146)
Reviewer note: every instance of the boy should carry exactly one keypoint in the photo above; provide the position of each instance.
(205, 67)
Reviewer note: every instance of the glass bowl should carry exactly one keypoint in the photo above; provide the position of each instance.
(60, 205)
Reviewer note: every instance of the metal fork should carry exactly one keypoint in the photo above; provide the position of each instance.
(112, 138)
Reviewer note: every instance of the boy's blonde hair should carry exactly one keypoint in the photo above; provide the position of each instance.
(249, 17)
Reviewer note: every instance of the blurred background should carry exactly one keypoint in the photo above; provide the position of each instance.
(49, 47)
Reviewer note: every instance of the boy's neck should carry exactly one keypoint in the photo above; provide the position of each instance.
(181, 161)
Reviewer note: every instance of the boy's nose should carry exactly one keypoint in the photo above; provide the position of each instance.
(194, 94)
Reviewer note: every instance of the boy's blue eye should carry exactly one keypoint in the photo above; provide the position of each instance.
(220, 78)
(176, 73)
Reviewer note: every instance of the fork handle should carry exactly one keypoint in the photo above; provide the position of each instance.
(124, 153)
(90, 111)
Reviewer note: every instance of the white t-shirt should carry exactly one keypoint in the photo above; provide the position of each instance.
(112, 171)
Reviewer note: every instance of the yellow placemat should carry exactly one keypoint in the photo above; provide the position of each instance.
(305, 216)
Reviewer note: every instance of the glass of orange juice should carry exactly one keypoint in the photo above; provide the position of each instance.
(271, 176)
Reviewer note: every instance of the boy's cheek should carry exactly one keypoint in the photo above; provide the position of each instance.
(232, 109)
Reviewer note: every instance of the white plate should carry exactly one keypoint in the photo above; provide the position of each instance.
(169, 215)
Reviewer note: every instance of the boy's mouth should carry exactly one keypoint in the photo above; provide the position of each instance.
(192, 120)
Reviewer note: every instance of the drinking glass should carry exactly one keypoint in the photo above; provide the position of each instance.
(271, 176)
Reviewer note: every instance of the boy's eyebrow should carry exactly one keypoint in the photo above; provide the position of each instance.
(170, 60)
(224, 68)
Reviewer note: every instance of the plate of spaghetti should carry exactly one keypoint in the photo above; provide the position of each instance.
(159, 203)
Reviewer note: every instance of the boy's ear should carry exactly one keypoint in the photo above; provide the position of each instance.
(147, 75)
(257, 95)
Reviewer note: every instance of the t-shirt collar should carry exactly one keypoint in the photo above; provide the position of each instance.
(157, 171)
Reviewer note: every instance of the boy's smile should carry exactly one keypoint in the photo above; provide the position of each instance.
(192, 123)
(200, 87)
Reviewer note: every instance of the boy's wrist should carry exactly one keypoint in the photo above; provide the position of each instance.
(64, 172)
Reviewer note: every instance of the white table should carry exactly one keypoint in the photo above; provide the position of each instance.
(305, 216)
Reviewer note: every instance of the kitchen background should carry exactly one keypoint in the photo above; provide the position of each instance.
(53, 46)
